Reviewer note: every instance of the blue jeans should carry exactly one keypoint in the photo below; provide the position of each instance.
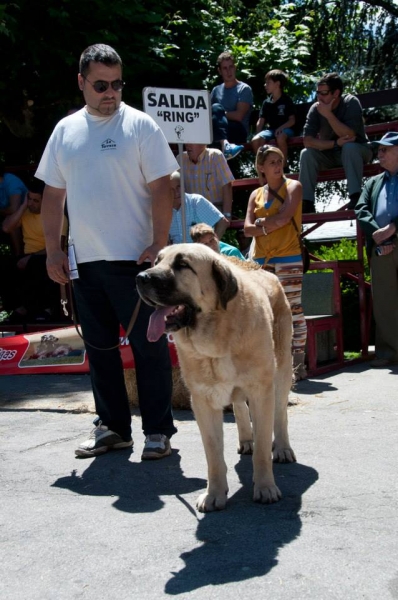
(233, 131)
(106, 296)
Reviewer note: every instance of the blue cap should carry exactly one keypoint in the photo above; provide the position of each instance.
(389, 139)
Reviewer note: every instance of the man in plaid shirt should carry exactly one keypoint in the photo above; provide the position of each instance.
(206, 172)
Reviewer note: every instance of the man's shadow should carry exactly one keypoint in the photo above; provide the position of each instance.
(243, 541)
(137, 487)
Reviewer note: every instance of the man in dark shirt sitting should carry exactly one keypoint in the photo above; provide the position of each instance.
(334, 136)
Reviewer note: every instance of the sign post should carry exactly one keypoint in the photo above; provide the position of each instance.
(184, 116)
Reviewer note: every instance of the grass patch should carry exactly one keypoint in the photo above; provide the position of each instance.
(351, 355)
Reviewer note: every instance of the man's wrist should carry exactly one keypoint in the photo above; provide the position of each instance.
(227, 214)
(50, 250)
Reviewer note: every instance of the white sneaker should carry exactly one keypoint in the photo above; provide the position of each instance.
(101, 440)
(157, 445)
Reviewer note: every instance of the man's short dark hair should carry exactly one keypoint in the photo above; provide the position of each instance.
(36, 186)
(225, 56)
(99, 53)
(277, 75)
(333, 81)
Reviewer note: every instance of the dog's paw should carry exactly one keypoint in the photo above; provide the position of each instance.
(283, 455)
(209, 502)
(267, 494)
(245, 447)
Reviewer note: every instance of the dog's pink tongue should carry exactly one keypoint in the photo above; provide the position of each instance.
(157, 324)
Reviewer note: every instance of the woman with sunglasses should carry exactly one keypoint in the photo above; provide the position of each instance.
(273, 219)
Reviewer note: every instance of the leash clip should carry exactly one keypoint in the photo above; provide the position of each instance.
(65, 310)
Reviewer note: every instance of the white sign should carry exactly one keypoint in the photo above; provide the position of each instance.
(184, 116)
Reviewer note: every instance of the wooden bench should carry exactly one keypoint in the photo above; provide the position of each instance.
(374, 131)
(368, 100)
(337, 174)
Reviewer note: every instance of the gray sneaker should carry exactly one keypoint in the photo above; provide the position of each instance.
(157, 445)
(101, 440)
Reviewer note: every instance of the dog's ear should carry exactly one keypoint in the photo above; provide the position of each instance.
(225, 281)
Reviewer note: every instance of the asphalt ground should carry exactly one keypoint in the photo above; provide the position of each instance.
(114, 527)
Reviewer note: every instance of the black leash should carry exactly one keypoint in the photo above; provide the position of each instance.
(66, 297)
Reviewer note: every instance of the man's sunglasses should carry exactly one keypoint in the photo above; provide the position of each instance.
(102, 86)
(323, 93)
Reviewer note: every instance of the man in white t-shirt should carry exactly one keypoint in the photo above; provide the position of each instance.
(113, 164)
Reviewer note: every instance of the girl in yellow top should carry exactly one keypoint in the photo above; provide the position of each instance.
(276, 244)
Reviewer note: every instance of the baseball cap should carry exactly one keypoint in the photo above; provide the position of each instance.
(389, 139)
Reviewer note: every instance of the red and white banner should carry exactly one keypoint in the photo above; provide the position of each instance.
(55, 351)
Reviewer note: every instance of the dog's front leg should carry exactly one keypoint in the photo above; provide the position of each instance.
(210, 423)
(265, 490)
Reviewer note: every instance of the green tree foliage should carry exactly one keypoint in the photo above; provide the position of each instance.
(165, 44)
(357, 39)
(42, 41)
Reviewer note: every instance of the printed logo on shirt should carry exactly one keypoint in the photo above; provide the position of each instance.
(108, 145)
(281, 110)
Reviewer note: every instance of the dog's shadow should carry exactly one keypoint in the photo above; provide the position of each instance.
(243, 541)
(137, 487)
(238, 543)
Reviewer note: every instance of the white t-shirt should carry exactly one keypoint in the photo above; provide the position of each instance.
(105, 165)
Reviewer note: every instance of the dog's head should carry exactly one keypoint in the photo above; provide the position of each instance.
(47, 342)
(187, 280)
(48, 337)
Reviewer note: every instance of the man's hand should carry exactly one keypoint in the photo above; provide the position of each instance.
(345, 139)
(382, 234)
(58, 267)
(325, 110)
(149, 254)
(383, 250)
(24, 204)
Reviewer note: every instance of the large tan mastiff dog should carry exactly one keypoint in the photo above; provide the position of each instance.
(233, 329)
